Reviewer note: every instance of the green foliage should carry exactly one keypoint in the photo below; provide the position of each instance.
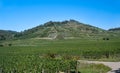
(34, 64)
(33, 55)
(84, 48)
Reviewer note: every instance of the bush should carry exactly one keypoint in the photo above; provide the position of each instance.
(50, 55)
(1, 45)
(105, 38)
(9, 44)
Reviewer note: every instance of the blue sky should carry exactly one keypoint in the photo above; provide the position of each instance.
(19, 15)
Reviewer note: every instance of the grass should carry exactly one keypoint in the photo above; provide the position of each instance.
(93, 68)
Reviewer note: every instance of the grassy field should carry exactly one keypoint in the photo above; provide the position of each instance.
(93, 68)
(22, 51)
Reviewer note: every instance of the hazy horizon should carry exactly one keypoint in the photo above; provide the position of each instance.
(19, 15)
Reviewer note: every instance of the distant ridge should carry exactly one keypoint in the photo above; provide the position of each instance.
(115, 29)
(7, 34)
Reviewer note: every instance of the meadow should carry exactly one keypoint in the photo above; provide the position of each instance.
(30, 55)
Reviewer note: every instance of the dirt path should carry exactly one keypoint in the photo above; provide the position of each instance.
(115, 66)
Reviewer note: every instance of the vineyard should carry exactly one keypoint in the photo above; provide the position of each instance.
(43, 56)
(35, 64)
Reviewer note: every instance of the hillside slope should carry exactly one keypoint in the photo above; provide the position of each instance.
(65, 29)
(115, 29)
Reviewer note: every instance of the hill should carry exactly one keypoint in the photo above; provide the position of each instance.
(115, 29)
(62, 30)
(7, 34)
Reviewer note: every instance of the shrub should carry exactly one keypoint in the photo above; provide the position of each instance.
(1, 45)
(9, 44)
(105, 38)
